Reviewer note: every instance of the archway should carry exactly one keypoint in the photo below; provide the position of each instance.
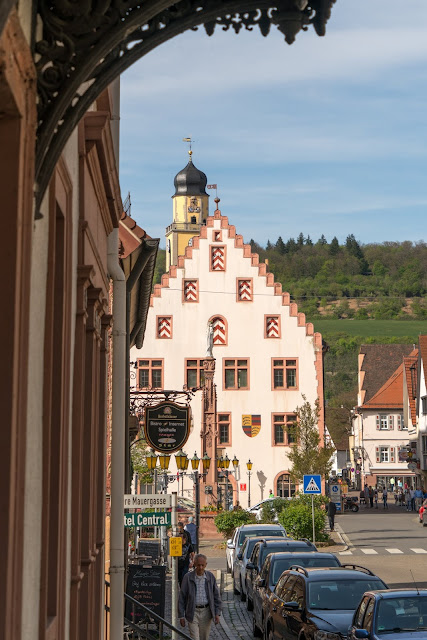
(85, 46)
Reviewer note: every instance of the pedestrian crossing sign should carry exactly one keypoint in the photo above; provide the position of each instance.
(312, 484)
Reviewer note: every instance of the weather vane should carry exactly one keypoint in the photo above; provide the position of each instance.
(190, 142)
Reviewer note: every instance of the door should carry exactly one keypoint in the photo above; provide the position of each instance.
(292, 618)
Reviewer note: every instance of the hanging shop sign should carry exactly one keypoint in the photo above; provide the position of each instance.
(167, 426)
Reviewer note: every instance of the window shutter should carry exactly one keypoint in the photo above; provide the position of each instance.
(378, 424)
(399, 422)
(391, 454)
(391, 422)
(377, 454)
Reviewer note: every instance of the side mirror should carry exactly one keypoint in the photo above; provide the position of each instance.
(250, 566)
(260, 583)
(293, 606)
(361, 633)
(230, 544)
(239, 556)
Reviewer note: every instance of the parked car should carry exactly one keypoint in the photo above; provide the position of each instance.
(317, 604)
(240, 562)
(275, 564)
(259, 554)
(421, 510)
(395, 613)
(234, 544)
(257, 508)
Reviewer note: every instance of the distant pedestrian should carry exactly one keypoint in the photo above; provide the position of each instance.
(396, 495)
(412, 498)
(385, 496)
(418, 495)
(376, 497)
(331, 510)
(362, 497)
(407, 495)
(199, 600)
(191, 528)
(271, 494)
(371, 498)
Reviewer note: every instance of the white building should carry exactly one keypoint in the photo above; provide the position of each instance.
(267, 356)
(421, 407)
(381, 434)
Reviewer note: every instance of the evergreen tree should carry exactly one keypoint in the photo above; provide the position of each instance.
(322, 240)
(291, 246)
(300, 240)
(280, 246)
(269, 246)
(334, 247)
(309, 241)
(307, 456)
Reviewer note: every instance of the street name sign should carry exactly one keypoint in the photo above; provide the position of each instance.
(159, 519)
(144, 501)
(312, 484)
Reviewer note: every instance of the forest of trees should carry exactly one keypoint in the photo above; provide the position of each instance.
(323, 277)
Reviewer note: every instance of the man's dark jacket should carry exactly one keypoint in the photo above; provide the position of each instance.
(187, 596)
(331, 509)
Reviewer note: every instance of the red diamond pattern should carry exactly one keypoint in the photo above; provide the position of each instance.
(272, 327)
(218, 261)
(245, 290)
(190, 291)
(219, 333)
(164, 327)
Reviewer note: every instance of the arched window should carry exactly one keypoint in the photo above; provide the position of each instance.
(285, 487)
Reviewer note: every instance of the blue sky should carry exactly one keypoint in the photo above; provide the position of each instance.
(327, 135)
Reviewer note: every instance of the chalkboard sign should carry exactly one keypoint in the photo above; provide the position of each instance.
(147, 586)
(166, 426)
(149, 547)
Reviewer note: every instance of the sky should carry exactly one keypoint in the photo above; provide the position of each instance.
(326, 136)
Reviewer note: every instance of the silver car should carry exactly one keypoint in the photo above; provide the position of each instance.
(235, 543)
(239, 566)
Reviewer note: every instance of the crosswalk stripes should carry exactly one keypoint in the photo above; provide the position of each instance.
(373, 552)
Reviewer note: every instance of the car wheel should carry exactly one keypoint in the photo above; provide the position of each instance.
(235, 589)
(249, 604)
(242, 593)
(256, 631)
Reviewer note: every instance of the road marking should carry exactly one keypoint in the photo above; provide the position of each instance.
(345, 553)
(394, 550)
(419, 550)
(370, 552)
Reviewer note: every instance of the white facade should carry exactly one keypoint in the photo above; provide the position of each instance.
(255, 328)
(379, 435)
(422, 410)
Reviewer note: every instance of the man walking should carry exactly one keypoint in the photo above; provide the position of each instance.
(191, 529)
(199, 600)
(331, 510)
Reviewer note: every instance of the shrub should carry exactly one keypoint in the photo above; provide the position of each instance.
(271, 509)
(227, 521)
(297, 520)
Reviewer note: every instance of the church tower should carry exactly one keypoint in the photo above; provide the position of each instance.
(190, 210)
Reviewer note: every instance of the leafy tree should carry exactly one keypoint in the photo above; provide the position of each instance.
(297, 518)
(227, 521)
(139, 450)
(334, 247)
(280, 246)
(307, 455)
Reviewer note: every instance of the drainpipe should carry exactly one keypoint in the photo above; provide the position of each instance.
(117, 568)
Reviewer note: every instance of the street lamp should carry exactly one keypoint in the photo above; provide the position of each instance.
(249, 468)
(182, 463)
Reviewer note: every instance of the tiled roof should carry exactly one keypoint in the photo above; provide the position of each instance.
(130, 235)
(390, 396)
(378, 361)
(410, 366)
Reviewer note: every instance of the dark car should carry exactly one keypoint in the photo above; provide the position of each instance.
(274, 565)
(259, 554)
(317, 604)
(395, 613)
(240, 562)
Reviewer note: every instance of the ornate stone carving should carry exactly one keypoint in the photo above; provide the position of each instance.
(85, 45)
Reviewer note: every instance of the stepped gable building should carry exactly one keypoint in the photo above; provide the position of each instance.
(266, 356)
(380, 429)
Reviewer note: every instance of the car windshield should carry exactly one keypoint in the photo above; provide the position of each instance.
(286, 546)
(252, 533)
(279, 566)
(408, 613)
(340, 594)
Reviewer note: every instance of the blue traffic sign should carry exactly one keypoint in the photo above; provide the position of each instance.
(335, 488)
(312, 484)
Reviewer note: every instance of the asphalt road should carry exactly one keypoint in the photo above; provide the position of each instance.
(391, 543)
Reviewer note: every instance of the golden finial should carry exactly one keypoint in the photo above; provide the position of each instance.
(190, 142)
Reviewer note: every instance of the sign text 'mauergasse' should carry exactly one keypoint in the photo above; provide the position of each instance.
(142, 501)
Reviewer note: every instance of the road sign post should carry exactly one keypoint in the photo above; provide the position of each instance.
(312, 485)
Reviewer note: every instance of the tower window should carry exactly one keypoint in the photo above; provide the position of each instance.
(193, 220)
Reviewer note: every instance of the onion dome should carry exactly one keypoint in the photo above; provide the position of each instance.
(190, 181)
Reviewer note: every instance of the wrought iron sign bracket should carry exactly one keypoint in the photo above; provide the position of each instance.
(85, 45)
